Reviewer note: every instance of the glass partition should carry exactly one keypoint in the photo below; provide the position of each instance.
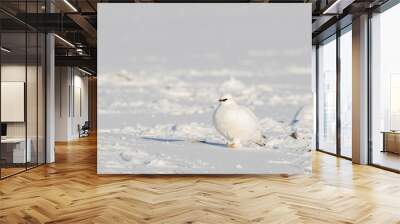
(41, 97)
(13, 109)
(33, 65)
(22, 101)
(31, 97)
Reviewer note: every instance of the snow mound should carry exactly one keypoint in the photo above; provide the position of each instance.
(231, 86)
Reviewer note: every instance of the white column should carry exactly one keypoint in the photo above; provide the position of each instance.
(50, 98)
(50, 92)
(360, 90)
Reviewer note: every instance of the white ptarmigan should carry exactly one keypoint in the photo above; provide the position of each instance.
(236, 123)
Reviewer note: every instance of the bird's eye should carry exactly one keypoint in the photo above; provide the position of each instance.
(223, 100)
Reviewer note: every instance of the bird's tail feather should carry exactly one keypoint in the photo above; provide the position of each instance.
(294, 122)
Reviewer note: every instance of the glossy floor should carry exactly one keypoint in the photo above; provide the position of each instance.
(70, 191)
(387, 159)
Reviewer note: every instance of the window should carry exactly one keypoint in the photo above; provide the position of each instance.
(328, 110)
(327, 96)
(394, 102)
(385, 89)
(346, 93)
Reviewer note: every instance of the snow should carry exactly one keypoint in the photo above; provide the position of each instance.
(160, 80)
(155, 122)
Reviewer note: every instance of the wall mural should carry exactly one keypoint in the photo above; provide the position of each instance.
(204, 88)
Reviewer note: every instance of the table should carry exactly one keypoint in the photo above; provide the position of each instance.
(16, 147)
(391, 141)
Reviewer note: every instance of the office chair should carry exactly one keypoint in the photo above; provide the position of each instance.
(84, 130)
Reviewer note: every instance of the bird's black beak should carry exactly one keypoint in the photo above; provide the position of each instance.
(222, 100)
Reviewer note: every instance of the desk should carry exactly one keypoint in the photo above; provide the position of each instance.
(16, 147)
(391, 141)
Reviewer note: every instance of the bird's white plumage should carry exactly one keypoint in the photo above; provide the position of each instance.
(236, 123)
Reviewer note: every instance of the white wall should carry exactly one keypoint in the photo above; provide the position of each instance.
(70, 83)
(34, 125)
(12, 73)
(62, 82)
(79, 115)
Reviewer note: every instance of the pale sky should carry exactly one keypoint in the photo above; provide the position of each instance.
(256, 37)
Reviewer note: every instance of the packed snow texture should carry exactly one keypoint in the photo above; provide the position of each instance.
(162, 123)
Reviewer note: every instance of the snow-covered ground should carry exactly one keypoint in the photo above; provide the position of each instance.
(156, 122)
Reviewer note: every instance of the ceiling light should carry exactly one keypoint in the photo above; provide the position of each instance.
(70, 5)
(328, 10)
(79, 51)
(5, 50)
(84, 71)
(338, 6)
(65, 41)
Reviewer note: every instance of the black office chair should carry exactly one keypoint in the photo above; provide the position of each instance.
(84, 130)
